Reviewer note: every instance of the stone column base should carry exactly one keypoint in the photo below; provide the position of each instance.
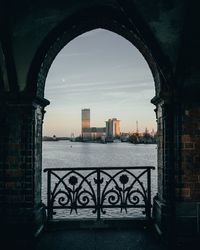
(159, 216)
(22, 224)
(184, 227)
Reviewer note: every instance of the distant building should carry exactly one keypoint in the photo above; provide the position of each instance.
(93, 133)
(85, 119)
(90, 133)
(112, 128)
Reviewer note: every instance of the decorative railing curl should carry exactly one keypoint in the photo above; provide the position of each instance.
(99, 189)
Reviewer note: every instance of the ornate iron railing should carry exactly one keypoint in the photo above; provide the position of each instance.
(99, 189)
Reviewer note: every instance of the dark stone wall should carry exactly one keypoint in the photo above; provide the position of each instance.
(187, 172)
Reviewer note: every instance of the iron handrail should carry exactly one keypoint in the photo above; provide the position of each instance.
(109, 168)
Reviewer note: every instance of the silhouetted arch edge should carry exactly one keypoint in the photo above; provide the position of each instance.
(80, 23)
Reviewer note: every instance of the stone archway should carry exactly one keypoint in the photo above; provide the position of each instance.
(167, 35)
(163, 100)
(22, 128)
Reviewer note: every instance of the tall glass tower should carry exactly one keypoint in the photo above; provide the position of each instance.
(85, 119)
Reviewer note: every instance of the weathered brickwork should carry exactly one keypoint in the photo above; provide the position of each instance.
(20, 162)
(188, 187)
(178, 168)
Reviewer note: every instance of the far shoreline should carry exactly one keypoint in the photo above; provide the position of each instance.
(99, 142)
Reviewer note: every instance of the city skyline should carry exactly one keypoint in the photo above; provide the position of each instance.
(103, 71)
(110, 130)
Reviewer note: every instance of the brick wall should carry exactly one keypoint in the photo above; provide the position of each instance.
(20, 164)
(177, 206)
(188, 181)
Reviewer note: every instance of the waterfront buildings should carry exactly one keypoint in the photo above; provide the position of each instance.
(112, 128)
(110, 132)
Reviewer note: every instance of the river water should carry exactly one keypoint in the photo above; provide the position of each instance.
(66, 154)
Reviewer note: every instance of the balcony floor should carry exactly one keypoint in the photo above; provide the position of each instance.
(99, 239)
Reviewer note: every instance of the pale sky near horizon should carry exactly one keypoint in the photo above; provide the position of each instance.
(102, 71)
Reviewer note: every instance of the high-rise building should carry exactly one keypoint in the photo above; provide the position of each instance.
(85, 119)
(112, 128)
(90, 133)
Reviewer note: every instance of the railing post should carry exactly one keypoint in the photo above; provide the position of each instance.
(98, 195)
(148, 211)
(49, 202)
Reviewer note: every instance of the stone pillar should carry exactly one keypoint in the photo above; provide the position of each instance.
(163, 207)
(21, 209)
(176, 208)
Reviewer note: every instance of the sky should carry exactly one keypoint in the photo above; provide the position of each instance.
(102, 71)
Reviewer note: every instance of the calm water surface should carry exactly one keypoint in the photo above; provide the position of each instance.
(65, 154)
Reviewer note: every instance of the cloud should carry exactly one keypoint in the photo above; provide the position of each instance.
(104, 85)
(73, 54)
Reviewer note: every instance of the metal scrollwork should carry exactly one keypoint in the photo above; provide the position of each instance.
(99, 189)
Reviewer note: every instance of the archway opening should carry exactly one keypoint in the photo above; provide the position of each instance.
(103, 72)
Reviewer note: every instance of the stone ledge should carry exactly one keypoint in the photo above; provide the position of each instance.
(94, 224)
